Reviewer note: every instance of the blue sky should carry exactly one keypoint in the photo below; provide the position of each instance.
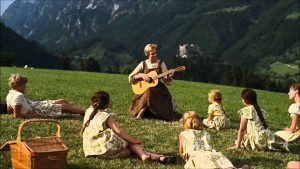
(4, 4)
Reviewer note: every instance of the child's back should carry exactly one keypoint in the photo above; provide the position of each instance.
(100, 140)
(217, 117)
(194, 145)
(194, 140)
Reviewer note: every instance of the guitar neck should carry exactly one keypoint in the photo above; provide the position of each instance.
(162, 75)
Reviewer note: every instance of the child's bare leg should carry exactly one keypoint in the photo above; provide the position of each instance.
(61, 101)
(72, 109)
(156, 157)
(137, 149)
(293, 164)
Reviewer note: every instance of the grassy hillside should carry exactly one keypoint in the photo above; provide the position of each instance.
(156, 135)
(281, 68)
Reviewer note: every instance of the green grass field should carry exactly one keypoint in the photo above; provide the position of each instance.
(281, 68)
(156, 135)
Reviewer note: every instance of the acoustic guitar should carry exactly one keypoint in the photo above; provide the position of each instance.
(141, 86)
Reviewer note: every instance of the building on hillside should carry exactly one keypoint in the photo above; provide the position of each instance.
(189, 50)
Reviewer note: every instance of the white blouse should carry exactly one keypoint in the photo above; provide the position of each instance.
(17, 98)
(150, 65)
(294, 109)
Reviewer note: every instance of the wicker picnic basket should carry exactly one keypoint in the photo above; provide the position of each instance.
(37, 153)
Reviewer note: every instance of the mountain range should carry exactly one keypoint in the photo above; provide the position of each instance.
(249, 33)
(17, 51)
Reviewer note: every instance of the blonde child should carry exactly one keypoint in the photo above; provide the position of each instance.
(19, 106)
(217, 118)
(194, 145)
(292, 133)
(103, 138)
(253, 132)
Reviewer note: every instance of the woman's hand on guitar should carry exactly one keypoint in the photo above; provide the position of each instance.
(172, 73)
(146, 77)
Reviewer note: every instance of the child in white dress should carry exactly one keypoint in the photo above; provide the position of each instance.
(254, 133)
(20, 106)
(103, 138)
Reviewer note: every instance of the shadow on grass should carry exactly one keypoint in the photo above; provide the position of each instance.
(70, 117)
(234, 123)
(252, 161)
(295, 147)
(62, 117)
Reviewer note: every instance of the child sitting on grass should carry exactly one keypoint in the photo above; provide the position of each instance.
(292, 133)
(19, 106)
(194, 145)
(217, 118)
(253, 132)
(103, 138)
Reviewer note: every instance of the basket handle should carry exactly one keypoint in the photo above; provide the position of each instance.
(38, 120)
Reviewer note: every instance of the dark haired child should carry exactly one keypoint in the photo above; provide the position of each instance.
(253, 132)
(292, 133)
(103, 138)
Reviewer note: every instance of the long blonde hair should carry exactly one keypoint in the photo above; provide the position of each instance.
(16, 80)
(148, 48)
(191, 120)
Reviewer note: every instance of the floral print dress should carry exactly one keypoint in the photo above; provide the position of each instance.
(294, 110)
(256, 137)
(98, 139)
(46, 108)
(198, 153)
(220, 120)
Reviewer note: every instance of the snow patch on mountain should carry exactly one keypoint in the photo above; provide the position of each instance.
(115, 8)
(90, 5)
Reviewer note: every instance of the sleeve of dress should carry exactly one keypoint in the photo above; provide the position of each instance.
(206, 139)
(18, 99)
(210, 109)
(164, 67)
(294, 109)
(246, 113)
(137, 70)
(167, 80)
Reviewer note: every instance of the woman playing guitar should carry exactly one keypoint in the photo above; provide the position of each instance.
(157, 99)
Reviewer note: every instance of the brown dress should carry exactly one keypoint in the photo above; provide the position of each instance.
(156, 99)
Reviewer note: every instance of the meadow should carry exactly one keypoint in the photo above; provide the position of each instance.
(282, 69)
(156, 135)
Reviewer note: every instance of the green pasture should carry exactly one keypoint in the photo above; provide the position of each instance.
(156, 135)
(282, 69)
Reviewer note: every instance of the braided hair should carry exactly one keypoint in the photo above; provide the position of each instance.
(249, 96)
(191, 120)
(100, 101)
